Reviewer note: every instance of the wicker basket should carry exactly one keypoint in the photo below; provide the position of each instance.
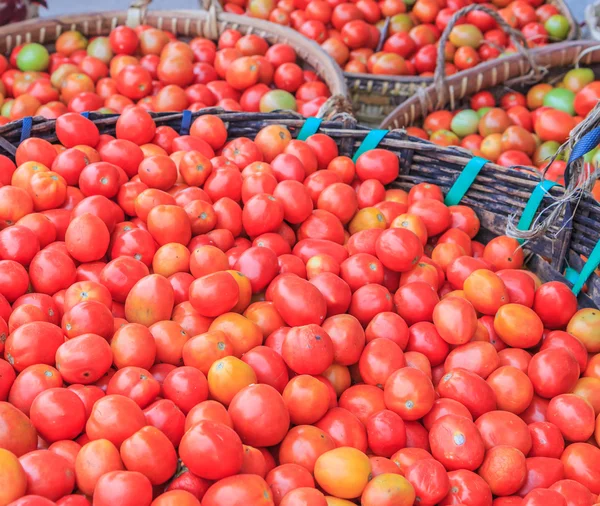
(374, 97)
(205, 23)
(497, 76)
(496, 194)
(579, 225)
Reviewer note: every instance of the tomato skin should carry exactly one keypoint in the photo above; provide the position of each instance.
(33, 343)
(469, 389)
(543, 472)
(150, 452)
(239, 491)
(386, 433)
(409, 393)
(114, 417)
(58, 414)
(548, 378)
(430, 480)
(579, 464)
(128, 488)
(463, 450)
(546, 440)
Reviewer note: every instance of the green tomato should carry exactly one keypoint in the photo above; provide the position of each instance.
(465, 123)
(6, 107)
(33, 57)
(277, 100)
(590, 155)
(557, 27)
(106, 110)
(596, 158)
(100, 48)
(544, 151)
(483, 111)
(576, 79)
(560, 99)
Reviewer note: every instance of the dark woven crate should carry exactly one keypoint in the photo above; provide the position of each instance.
(497, 194)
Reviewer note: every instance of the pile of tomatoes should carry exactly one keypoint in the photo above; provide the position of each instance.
(350, 31)
(525, 129)
(152, 69)
(187, 320)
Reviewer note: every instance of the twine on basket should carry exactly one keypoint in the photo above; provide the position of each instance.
(535, 74)
(579, 179)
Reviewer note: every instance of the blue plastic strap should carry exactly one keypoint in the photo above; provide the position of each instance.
(186, 122)
(371, 141)
(588, 142)
(464, 181)
(86, 114)
(310, 127)
(26, 128)
(590, 266)
(537, 195)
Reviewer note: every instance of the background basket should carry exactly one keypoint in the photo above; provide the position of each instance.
(496, 194)
(374, 97)
(499, 76)
(185, 24)
(577, 231)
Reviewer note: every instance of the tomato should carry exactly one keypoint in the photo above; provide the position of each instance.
(469, 389)
(573, 415)
(125, 487)
(429, 479)
(239, 490)
(47, 464)
(550, 380)
(380, 358)
(343, 472)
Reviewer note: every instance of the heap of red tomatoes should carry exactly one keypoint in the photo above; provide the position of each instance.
(187, 320)
(520, 129)
(152, 69)
(350, 30)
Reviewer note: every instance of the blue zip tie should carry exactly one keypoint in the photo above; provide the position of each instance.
(26, 128)
(371, 141)
(310, 127)
(537, 195)
(464, 181)
(186, 122)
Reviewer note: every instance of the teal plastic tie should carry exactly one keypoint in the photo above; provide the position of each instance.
(371, 141)
(571, 274)
(534, 204)
(464, 181)
(589, 267)
(310, 127)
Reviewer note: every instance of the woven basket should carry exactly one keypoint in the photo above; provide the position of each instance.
(579, 225)
(374, 97)
(185, 24)
(497, 193)
(498, 77)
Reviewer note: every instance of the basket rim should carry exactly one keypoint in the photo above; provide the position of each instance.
(356, 79)
(499, 71)
(201, 22)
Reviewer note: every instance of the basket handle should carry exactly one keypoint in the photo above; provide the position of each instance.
(517, 37)
(136, 12)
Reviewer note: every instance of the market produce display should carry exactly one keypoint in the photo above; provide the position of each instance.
(149, 67)
(351, 32)
(524, 129)
(261, 321)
